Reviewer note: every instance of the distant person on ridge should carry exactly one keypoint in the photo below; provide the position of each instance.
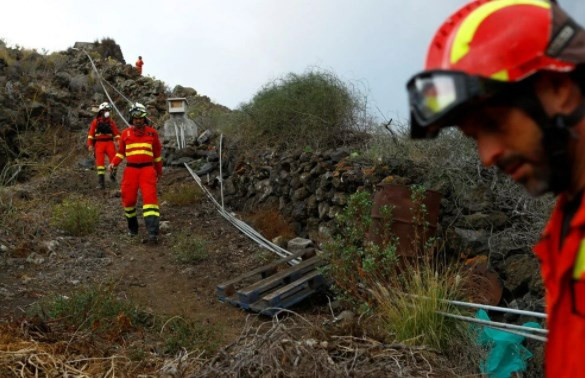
(102, 140)
(139, 64)
(141, 147)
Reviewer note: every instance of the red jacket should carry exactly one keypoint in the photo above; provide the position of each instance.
(139, 64)
(101, 128)
(563, 271)
(140, 147)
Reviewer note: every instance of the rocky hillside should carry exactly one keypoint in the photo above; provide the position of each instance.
(60, 90)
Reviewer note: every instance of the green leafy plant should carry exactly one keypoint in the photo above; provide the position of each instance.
(76, 216)
(354, 262)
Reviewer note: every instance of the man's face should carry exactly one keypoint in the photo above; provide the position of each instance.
(138, 121)
(508, 138)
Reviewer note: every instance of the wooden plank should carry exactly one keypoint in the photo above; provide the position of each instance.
(278, 295)
(253, 292)
(289, 295)
(227, 288)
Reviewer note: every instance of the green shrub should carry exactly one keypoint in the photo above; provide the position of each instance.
(355, 264)
(76, 216)
(189, 249)
(406, 293)
(312, 108)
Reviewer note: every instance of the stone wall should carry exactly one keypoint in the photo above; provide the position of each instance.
(310, 188)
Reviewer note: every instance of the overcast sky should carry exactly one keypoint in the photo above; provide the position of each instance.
(228, 49)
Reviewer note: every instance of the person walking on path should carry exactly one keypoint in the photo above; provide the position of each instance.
(102, 138)
(141, 147)
(511, 75)
(139, 64)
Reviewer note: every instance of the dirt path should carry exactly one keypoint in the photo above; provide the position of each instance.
(40, 261)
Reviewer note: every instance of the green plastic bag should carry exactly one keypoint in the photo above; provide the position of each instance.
(506, 354)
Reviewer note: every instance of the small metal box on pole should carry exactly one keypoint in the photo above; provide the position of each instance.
(177, 105)
(179, 127)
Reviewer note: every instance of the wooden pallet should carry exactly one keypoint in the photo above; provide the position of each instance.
(275, 286)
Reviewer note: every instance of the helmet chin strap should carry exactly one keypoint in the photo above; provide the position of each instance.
(557, 133)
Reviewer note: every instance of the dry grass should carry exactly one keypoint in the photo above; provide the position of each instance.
(270, 223)
(184, 194)
(93, 333)
(294, 347)
(34, 350)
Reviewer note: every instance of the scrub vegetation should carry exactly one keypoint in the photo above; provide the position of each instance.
(76, 216)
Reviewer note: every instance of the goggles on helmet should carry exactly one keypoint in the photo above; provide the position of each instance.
(437, 96)
(138, 113)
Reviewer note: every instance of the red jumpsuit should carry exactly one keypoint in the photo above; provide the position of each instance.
(142, 149)
(102, 133)
(139, 64)
(563, 272)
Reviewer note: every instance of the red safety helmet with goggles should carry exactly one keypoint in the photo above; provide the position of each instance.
(486, 50)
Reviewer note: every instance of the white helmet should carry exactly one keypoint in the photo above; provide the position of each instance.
(105, 106)
(138, 111)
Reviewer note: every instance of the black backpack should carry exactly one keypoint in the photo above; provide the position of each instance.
(103, 127)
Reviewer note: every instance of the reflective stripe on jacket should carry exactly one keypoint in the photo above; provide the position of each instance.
(140, 146)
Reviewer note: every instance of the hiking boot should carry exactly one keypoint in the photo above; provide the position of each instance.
(101, 182)
(132, 226)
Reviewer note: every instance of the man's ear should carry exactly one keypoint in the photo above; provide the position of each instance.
(558, 92)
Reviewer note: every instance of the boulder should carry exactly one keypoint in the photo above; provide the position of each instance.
(475, 241)
(520, 271)
(299, 244)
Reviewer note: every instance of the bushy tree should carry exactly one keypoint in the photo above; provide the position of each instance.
(315, 108)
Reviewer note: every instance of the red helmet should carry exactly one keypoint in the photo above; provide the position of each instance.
(482, 48)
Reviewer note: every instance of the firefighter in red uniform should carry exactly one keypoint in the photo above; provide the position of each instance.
(101, 139)
(511, 75)
(141, 147)
(139, 64)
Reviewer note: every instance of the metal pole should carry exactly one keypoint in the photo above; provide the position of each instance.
(502, 326)
(177, 134)
(500, 309)
(220, 170)
(183, 143)
(487, 307)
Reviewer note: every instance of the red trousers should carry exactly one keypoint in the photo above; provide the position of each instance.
(101, 150)
(143, 178)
